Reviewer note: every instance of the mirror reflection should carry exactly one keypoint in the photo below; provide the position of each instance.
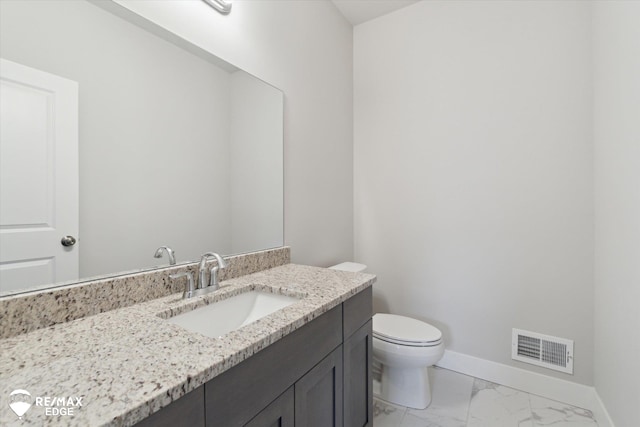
(126, 142)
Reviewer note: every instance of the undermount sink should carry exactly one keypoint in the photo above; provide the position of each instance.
(221, 317)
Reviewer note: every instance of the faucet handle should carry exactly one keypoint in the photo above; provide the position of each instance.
(213, 273)
(213, 277)
(190, 288)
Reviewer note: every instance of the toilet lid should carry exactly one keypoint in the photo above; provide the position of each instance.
(399, 329)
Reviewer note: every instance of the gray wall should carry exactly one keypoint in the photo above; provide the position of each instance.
(305, 49)
(617, 237)
(473, 171)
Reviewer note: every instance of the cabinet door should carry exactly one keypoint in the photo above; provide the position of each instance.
(279, 413)
(318, 394)
(358, 380)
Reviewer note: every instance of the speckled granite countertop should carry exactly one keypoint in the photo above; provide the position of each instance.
(128, 363)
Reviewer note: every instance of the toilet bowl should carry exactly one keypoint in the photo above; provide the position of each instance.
(404, 347)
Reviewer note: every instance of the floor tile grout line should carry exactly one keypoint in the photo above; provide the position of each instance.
(404, 415)
(530, 408)
(469, 402)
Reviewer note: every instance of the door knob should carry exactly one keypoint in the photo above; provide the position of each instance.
(68, 241)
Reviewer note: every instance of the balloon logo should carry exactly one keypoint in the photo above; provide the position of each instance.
(20, 402)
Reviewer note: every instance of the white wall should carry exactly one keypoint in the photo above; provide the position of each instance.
(305, 49)
(617, 230)
(473, 171)
(255, 164)
(132, 110)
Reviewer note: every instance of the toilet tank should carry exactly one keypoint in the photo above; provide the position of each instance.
(349, 266)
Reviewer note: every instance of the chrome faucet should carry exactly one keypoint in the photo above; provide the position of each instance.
(213, 281)
(170, 253)
(189, 292)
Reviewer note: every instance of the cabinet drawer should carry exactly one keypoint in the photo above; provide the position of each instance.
(357, 311)
(186, 411)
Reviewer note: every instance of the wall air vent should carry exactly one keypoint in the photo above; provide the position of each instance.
(542, 350)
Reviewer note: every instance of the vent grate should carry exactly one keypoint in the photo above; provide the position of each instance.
(542, 350)
(528, 347)
(554, 353)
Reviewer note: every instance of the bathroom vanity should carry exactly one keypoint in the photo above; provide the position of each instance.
(307, 364)
(318, 375)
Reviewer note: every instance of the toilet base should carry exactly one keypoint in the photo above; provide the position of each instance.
(406, 386)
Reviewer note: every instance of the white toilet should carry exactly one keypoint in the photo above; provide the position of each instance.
(405, 347)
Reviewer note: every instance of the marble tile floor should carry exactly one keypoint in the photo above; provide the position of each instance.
(462, 401)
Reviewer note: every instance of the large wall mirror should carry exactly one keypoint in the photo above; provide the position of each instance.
(121, 135)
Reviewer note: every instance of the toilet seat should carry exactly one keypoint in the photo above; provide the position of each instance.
(401, 330)
(408, 343)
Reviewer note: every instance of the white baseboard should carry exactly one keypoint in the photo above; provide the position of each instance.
(601, 413)
(552, 388)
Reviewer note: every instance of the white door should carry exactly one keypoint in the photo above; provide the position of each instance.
(38, 177)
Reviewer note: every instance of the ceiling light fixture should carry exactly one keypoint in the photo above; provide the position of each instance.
(222, 6)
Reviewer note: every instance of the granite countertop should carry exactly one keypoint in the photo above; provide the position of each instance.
(128, 363)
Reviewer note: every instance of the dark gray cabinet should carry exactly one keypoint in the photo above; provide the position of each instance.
(318, 395)
(234, 397)
(358, 381)
(318, 375)
(186, 411)
(279, 413)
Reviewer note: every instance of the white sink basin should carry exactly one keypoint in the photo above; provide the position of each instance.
(219, 318)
